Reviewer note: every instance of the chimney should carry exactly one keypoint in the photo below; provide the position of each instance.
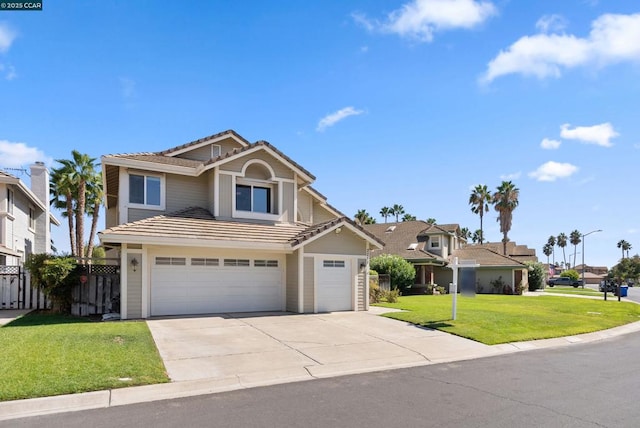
(40, 187)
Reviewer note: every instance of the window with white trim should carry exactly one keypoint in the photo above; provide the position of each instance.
(171, 261)
(265, 263)
(216, 150)
(10, 201)
(434, 242)
(32, 218)
(254, 198)
(145, 190)
(236, 262)
(200, 261)
(333, 263)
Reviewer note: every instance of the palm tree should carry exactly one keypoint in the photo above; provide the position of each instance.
(477, 236)
(73, 177)
(408, 217)
(361, 216)
(547, 250)
(575, 238)
(552, 243)
(95, 194)
(465, 233)
(561, 241)
(431, 220)
(625, 246)
(397, 210)
(505, 201)
(479, 200)
(62, 190)
(385, 212)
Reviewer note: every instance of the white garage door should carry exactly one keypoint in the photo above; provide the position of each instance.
(187, 285)
(334, 285)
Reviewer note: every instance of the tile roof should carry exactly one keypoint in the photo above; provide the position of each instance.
(198, 223)
(403, 235)
(519, 252)
(485, 257)
(202, 140)
(315, 229)
(158, 159)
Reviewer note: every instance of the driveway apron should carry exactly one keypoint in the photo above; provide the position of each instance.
(278, 345)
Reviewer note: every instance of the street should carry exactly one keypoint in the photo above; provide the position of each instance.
(591, 385)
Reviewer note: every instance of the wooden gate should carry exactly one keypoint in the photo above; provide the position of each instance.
(98, 290)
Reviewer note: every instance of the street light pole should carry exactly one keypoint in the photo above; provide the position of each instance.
(584, 236)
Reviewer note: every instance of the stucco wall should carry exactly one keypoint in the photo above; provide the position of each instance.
(292, 282)
(346, 242)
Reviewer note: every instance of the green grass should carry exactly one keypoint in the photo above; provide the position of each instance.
(571, 290)
(501, 319)
(44, 355)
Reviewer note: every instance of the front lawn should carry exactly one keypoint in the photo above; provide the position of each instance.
(493, 319)
(571, 290)
(44, 354)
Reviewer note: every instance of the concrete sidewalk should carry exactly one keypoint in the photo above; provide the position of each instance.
(265, 349)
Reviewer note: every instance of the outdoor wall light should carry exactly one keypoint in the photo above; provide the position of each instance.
(338, 230)
(134, 264)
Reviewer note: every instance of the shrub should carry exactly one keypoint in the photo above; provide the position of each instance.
(536, 275)
(56, 275)
(391, 296)
(440, 289)
(498, 285)
(401, 272)
(375, 292)
(573, 274)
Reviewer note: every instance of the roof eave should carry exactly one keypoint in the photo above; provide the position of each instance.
(118, 238)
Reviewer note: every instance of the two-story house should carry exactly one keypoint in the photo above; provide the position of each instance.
(25, 219)
(223, 225)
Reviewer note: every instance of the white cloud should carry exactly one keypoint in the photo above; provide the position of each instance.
(10, 72)
(613, 39)
(420, 19)
(16, 155)
(632, 231)
(7, 36)
(596, 134)
(551, 23)
(549, 144)
(333, 118)
(551, 171)
(512, 176)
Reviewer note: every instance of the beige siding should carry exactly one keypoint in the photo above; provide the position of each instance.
(292, 282)
(485, 276)
(184, 192)
(225, 195)
(304, 207)
(210, 177)
(281, 170)
(136, 214)
(362, 289)
(287, 202)
(111, 218)
(134, 289)
(309, 289)
(321, 214)
(345, 242)
(204, 153)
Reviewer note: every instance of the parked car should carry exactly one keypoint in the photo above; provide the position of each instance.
(609, 285)
(564, 280)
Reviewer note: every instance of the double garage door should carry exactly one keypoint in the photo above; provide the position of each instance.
(203, 285)
(199, 285)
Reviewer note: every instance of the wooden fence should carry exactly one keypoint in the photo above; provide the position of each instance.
(98, 291)
(16, 291)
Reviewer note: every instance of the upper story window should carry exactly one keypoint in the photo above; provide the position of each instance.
(434, 242)
(32, 218)
(254, 198)
(10, 201)
(145, 190)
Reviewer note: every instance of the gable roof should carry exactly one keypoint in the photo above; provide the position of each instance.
(196, 226)
(519, 252)
(315, 231)
(486, 257)
(399, 239)
(229, 133)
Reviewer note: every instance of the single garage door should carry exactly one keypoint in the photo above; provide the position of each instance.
(196, 285)
(334, 285)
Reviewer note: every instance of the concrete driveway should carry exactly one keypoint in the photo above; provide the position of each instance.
(274, 347)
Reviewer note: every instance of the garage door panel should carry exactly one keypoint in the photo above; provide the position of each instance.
(334, 286)
(178, 290)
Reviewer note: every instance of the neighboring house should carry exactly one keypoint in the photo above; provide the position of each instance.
(222, 225)
(25, 219)
(431, 248)
(521, 253)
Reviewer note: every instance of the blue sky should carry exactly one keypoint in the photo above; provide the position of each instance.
(408, 102)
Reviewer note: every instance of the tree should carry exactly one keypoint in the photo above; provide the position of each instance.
(361, 216)
(465, 233)
(477, 236)
(479, 200)
(547, 250)
(552, 243)
(95, 195)
(401, 272)
(575, 238)
(626, 269)
(408, 217)
(385, 212)
(397, 210)
(561, 241)
(536, 275)
(71, 183)
(570, 273)
(431, 220)
(505, 201)
(56, 276)
(625, 246)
